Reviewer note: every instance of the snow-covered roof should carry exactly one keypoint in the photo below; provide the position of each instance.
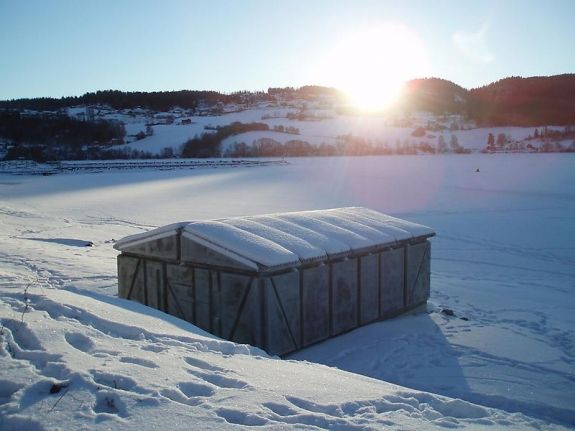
(158, 233)
(290, 238)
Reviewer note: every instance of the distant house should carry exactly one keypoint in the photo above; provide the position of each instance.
(281, 281)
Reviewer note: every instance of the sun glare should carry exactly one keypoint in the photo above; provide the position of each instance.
(372, 65)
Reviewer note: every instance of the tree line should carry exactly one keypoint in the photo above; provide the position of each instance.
(208, 143)
(162, 100)
(59, 137)
(156, 100)
(545, 141)
(347, 145)
(513, 101)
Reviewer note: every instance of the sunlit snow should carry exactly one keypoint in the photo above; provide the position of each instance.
(75, 356)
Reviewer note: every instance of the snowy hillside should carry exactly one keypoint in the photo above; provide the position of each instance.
(83, 360)
(284, 126)
(380, 131)
(495, 349)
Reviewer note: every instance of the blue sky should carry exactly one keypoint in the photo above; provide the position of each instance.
(59, 48)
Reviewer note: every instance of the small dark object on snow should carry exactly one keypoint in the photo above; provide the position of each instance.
(448, 312)
(477, 170)
(55, 388)
(89, 244)
(465, 318)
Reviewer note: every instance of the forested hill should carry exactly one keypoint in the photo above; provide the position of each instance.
(164, 100)
(158, 101)
(526, 101)
(511, 101)
(435, 95)
(515, 101)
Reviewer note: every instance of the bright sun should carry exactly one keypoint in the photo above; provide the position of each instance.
(371, 66)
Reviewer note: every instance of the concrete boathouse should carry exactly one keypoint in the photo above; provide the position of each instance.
(280, 281)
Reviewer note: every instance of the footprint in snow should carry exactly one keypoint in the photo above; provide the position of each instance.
(116, 381)
(7, 388)
(79, 341)
(22, 335)
(280, 409)
(153, 348)
(139, 361)
(221, 381)
(188, 393)
(198, 363)
(109, 403)
(238, 417)
(193, 389)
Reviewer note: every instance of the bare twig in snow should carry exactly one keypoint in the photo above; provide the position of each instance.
(64, 392)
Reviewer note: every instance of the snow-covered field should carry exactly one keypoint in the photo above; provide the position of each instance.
(503, 261)
(378, 130)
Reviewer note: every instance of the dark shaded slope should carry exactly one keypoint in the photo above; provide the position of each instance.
(435, 95)
(533, 101)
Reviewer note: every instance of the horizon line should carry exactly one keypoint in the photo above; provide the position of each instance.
(228, 93)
